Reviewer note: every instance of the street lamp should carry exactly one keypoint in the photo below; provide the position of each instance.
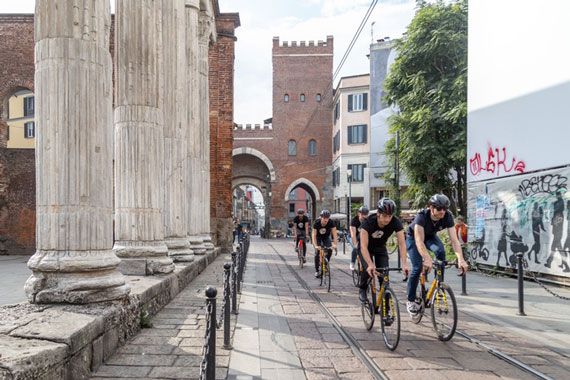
(349, 174)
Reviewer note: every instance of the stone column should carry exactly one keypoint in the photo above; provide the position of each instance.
(207, 30)
(195, 189)
(174, 105)
(139, 139)
(74, 261)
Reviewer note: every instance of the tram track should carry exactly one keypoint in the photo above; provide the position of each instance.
(367, 360)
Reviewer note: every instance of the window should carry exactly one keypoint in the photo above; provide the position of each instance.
(302, 98)
(357, 102)
(357, 134)
(312, 148)
(29, 130)
(292, 207)
(292, 148)
(286, 98)
(336, 142)
(357, 172)
(29, 106)
(336, 112)
(336, 177)
(318, 97)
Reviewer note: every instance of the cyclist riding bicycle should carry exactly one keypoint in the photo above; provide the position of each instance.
(422, 235)
(355, 227)
(301, 229)
(322, 230)
(376, 230)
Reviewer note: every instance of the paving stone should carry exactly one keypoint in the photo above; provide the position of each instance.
(123, 371)
(141, 359)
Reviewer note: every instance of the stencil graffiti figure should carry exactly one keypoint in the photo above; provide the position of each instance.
(537, 225)
(564, 255)
(502, 246)
(557, 226)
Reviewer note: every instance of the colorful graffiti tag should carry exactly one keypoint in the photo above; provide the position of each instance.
(496, 163)
(528, 214)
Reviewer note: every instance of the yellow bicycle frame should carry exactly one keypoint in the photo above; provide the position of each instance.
(433, 286)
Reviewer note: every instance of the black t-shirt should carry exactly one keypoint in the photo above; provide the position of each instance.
(431, 228)
(355, 222)
(323, 232)
(378, 236)
(300, 222)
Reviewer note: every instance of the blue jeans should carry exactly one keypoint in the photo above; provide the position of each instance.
(433, 244)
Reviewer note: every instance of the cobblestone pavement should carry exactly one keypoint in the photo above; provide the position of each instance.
(282, 332)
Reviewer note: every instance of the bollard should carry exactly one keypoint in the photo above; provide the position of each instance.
(211, 294)
(521, 284)
(227, 268)
(464, 284)
(239, 254)
(234, 284)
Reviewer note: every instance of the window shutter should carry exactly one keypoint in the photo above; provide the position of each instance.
(364, 133)
(349, 103)
(349, 135)
(364, 101)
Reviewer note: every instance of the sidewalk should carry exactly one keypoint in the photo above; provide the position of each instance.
(13, 276)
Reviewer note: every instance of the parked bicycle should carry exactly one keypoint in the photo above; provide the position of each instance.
(440, 298)
(384, 302)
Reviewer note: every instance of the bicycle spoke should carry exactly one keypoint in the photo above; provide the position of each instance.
(390, 319)
(444, 312)
(367, 309)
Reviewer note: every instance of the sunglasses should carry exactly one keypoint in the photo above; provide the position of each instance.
(440, 208)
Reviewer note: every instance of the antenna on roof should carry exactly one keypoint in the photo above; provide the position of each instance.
(372, 31)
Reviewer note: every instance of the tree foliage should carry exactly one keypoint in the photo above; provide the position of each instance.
(428, 84)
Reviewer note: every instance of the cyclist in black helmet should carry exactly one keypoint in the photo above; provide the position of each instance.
(323, 228)
(301, 229)
(376, 230)
(355, 227)
(422, 235)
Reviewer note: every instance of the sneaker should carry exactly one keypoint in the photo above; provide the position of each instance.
(362, 296)
(351, 266)
(413, 308)
(304, 259)
(318, 274)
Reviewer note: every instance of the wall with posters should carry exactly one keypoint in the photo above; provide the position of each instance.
(526, 213)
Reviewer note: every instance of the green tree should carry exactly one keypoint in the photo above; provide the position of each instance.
(428, 85)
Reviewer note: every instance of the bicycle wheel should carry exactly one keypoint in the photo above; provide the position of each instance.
(367, 308)
(392, 244)
(356, 274)
(322, 269)
(444, 312)
(328, 275)
(300, 253)
(390, 320)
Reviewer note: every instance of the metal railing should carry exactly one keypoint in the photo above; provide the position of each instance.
(233, 277)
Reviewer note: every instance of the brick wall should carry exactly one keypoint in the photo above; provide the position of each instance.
(221, 76)
(17, 166)
(298, 68)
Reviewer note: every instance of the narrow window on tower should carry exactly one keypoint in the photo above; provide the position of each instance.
(286, 98)
(292, 148)
(312, 148)
(318, 98)
(302, 98)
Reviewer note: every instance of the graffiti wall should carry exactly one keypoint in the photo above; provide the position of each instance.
(528, 213)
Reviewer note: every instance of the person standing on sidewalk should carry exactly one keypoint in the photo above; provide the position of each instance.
(422, 235)
(376, 229)
(355, 227)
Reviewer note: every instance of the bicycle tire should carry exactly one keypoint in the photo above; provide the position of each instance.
(322, 269)
(328, 275)
(486, 255)
(444, 331)
(392, 241)
(390, 332)
(367, 309)
(356, 274)
(474, 254)
(300, 253)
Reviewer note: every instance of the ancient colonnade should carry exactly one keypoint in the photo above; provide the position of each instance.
(123, 191)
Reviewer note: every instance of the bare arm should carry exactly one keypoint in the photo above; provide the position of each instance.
(455, 243)
(353, 233)
(364, 248)
(419, 237)
(334, 236)
(314, 237)
(403, 251)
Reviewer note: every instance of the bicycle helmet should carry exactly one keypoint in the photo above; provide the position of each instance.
(386, 206)
(325, 214)
(300, 211)
(439, 201)
(363, 210)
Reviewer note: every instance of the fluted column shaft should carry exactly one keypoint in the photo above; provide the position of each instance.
(206, 26)
(174, 103)
(139, 139)
(196, 188)
(74, 261)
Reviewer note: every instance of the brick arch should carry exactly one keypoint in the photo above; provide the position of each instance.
(258, 154)
(305, 182)
(10, 87)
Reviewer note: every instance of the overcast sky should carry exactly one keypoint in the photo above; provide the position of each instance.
(291, 20)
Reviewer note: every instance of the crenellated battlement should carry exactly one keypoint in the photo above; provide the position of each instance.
(253, 127)
(277, 44)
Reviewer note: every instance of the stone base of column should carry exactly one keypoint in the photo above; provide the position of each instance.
(76, 277)
(179, 250)
(143, 258)
(208, 242)
(197, 245)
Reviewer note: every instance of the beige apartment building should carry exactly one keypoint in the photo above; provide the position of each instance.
(20, 120)
(351, 140)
